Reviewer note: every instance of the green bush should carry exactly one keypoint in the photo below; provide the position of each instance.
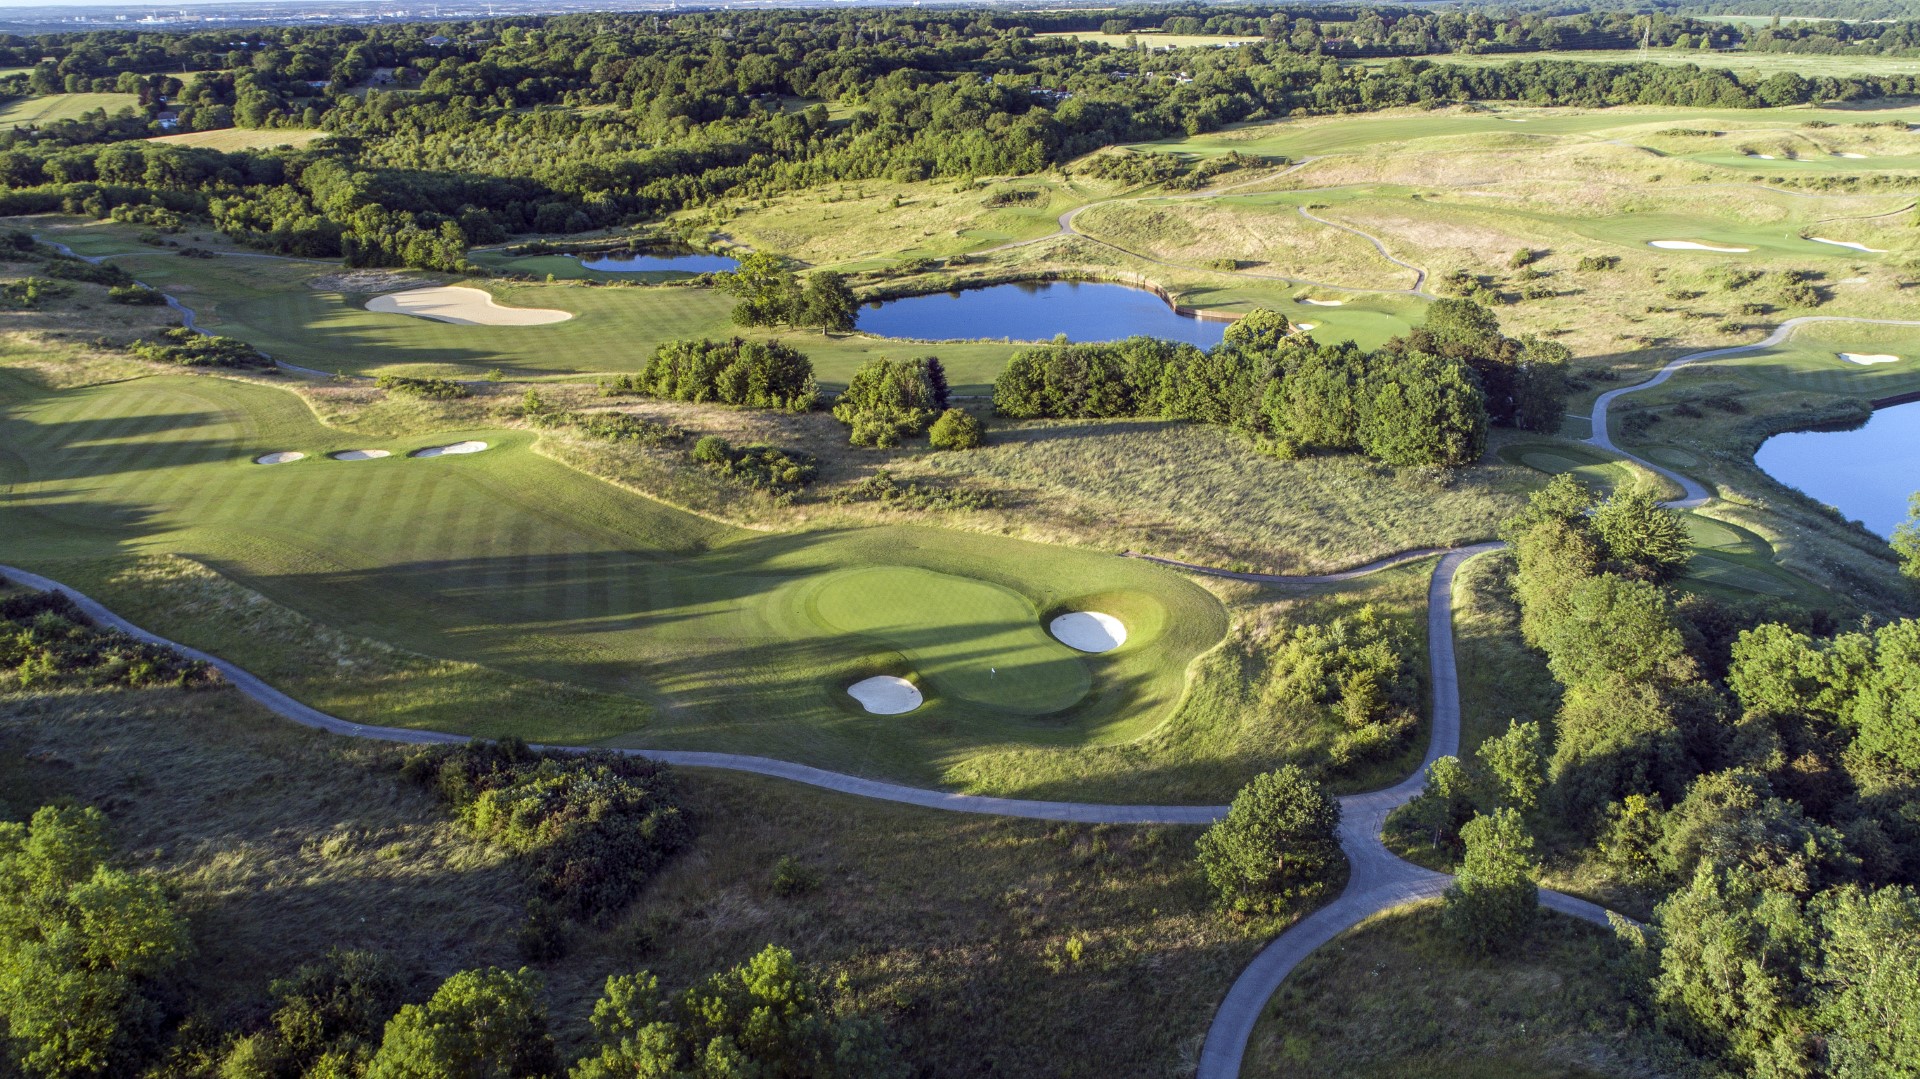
(763, 467)
(136, 296)
(1493, 900)
(767, 1017)
(888, 493)
(593, 828)
(1278, 846)
(82, 948)
(748, 374)
(45, 641)
(480, 1023)
(30, 292)
(610, 427)
(956, 429)
(190, 348)
(93, 273)
(886, 401)
(438, 389)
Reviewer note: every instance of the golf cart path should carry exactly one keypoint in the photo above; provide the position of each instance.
(1695, 493)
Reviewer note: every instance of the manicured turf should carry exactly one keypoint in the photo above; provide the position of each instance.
(47, 109)
(274, 306)
(720, 638)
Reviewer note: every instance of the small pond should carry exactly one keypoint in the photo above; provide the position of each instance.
(1867, 473)
(654, 262)
(1036, 311)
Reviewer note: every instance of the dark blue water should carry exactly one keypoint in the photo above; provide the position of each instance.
(1036, 312)
(624, 262)
(1867, 473)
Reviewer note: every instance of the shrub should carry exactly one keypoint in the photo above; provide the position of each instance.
(611, 427)
(1493, 900)
(1277, 846)
(793, 877)
(93, 273)
(30, 292)
(592, 827)
(956, 429)
(136, 295)
(478, 1023)
(886, 401)
(767, 1017)
(439, 389)
(189, 348)
(46, 641)
(748, 374)
(883, 489)
(81, 945)
(1593, 263)
(763, 467)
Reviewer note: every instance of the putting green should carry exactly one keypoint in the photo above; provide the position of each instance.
(970, 640)
(713, 637)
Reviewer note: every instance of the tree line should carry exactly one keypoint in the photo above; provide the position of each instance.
(1423, 399)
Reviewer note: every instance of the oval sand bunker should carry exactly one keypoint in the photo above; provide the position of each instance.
(1689, 245)
(463, 306)
(457, 447)
(1088, 631)
(281, 458)
(360, 455)
(885, 695)
(1868, 359)
(1325, 303)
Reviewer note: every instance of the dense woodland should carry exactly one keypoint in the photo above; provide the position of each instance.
(496, 128)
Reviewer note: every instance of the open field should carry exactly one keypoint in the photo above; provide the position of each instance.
(1811, 65)
(1394, 998)
(231, 139)
(982, 942)
(45, 110)
(1148, 39)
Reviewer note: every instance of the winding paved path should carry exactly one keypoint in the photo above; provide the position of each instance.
(1695, 493)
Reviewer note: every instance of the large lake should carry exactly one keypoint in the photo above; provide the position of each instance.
(1867, 473)
(1036, 311)
(691, 262)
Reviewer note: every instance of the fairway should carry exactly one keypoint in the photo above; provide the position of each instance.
(717, 638)
(232, 139)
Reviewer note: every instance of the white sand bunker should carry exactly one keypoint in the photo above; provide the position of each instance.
(463, 306)
(281, 458)
(1324, 303)
(1304, 326)
(1766, 157)
(1689, 245)
(457, 447)
(1856, 156)
(360, 455)
(1088, 631)
(1868, 359)
(1848, 243)
(885, 695)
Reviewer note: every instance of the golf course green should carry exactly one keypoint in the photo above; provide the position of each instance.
(688, 633)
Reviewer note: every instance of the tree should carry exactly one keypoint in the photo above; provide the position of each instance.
(1869, 997)
(956, 429)
(79, 944)
(766, 289)
(1906, 540)
(1261, 330)
(1540, 384)
(1516, 762)
(885, 401)
(1447, 801)
(828, 303)
(480, 1024)
(1646, 537)
(768, 1018)
(1731, 953)
(1278, 843)
(937, 382)
(1423, 410)
(1493, 900)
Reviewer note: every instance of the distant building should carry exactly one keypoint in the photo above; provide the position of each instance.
(437, 41)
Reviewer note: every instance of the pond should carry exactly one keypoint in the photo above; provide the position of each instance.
(1867, 473)
(645, 262)
(1036, 311)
